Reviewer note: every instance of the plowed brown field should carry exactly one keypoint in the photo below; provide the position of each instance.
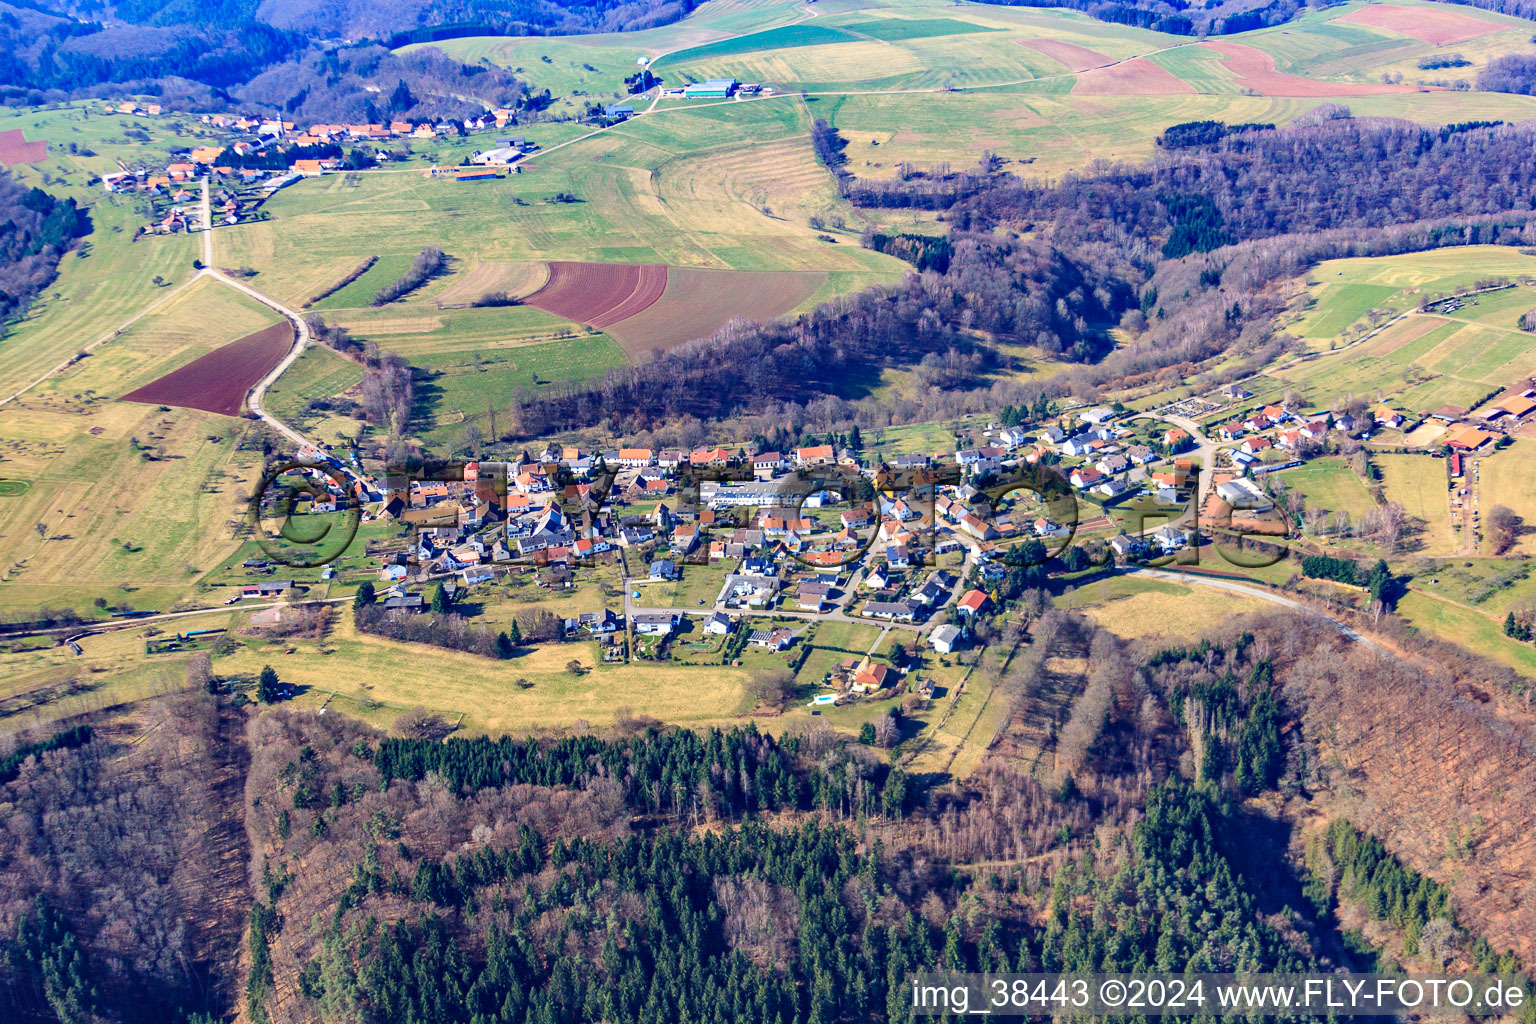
(218, 381)
(15, 149)
(1426, 23)
(599, 294)
(1135, 77)
(1076, 58)
(1255, 69)
(697, 303)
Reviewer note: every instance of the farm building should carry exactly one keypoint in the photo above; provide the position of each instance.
(1517, 406)
(500, 156)
(622, 111)
(478, 174)
(715, 88)
(1468, 439)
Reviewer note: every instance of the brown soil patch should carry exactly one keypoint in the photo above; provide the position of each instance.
(1255, 70)
(697, 303)
(1431, 24)
(15, 149)
(516, 279)
(1135, 77)
(1076, 58)
(599, 294)
(218, 381)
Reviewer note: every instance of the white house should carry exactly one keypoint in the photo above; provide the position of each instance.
(945, 639)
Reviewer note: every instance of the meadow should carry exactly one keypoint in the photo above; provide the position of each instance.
(136, 503)
(1133, 607)
(1468, 628)
(317, 373)
(1422, 361)
(1419, 484)
(931, 83)
(1507, 479)
(1330, 484)
(488, 692)
(1339, 293)
(657, 190)
(189, 323)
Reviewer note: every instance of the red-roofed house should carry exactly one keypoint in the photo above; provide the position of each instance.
(972, 602)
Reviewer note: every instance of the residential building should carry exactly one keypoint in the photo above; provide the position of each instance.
(945, 639)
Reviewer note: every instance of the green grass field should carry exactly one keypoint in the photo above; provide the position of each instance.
(1418, 483)
(1506, 479)
(679, 188)
(487, 692)
(1420, 362)
(1133, 607)
(317, 373)
(1330, 484)
(137, 504)
(1471, 629)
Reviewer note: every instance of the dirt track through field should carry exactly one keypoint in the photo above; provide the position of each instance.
(218, 381)
(1256, 70)
(697, 303)
(599, 294)
(15, 149)
(1138, 77)
(1426, 23)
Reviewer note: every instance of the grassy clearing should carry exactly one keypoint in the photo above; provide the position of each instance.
(1132, 607)
(1467, 628)
(1330, 484)
(1506, 479)
(134, 513)
(1418, 483)
(369, 669)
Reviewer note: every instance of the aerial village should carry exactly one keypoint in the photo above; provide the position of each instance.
(259, 156)
(715, 551)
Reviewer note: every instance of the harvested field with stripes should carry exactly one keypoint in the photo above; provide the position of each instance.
(697, 303)
(514, 279)
(599, 294)
(218, 381)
